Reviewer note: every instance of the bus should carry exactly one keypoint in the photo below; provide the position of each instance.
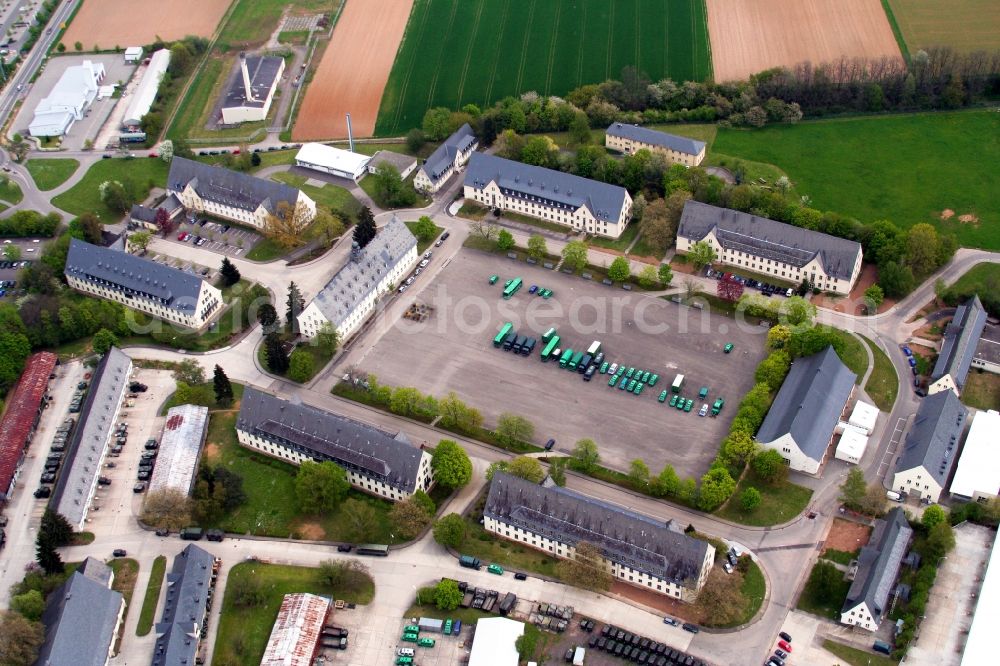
(566, 356)
(547, 335)
(678, 383)
(512, 288)
(575, 361)
(550, 347)
(376, 549)
(502, 335)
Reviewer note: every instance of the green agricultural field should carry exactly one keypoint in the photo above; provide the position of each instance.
(144, 174)
(455, 53)
(964, 25)
(904, 168)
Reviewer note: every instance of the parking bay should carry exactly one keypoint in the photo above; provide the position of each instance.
(453, 351)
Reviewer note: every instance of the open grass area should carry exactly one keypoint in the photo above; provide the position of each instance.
(11, 192)
(334, 197)
(148, 612)
(754, 588)
(855, 657)
(126, 570)
(840, 556)
(883, 384)
(479, 52)
(982, 280)
(243, 631)
(422, 245)
(253, 21)
(266, 250)
(982, 390)
(368, 185)
(905, 168)
(964, 25)
(621, 243)
(853, 355)
(85, 196)
(49, 174)
(508, 554)
(174, 401)
(271, 508)
(811, 601)
(779, 503)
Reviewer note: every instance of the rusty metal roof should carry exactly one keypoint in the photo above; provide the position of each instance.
(296, 632)
(21, 415)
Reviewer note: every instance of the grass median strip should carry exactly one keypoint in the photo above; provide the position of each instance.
(149, 602)
(883, 384)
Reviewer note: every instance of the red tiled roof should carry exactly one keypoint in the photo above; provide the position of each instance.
(22, 407)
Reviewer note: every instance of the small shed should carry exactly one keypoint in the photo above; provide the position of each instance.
(133, 54)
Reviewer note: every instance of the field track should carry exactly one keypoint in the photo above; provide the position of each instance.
(354, 70)
(964, 25)
(749, 37)
(110, 23)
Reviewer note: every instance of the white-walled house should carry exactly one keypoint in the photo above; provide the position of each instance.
(630, 139)
(961, 340)
(878, 566)
(350, 295)
(930, 448)
(579, 203)
(449, 157)
(376, 461)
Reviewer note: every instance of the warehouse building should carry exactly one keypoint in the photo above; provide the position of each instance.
(145, 93)
(981, 640)
(977, 476)
(333, 161)
(20, 419)
(68, 100)
(495, 642)
(141, 284)
(295, 634)
(878, 567)
(630, 139)
(250, 94)
(638, 550)
(376, 461)
(961, 339)
(180, 448)
(350, 296)
(187, 587)
(931, 447)
(86, 449)
(449, 157)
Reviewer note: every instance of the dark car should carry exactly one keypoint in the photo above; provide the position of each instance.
(119, 552)
(520, 576)
(344, 548)
(163, 531)
(48, 477)
(103, 481)
(139, 487)
(151, 445)
(785, 637)
(693, 628)
(44, 491)
(445, 235)
(549, 444)
(569, 655)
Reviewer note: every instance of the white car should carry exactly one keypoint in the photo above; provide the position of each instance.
(728, 567)
(402, 288)
(424, 263)
(704, 410)
(613, 369)
(409, 281)
(427, 254)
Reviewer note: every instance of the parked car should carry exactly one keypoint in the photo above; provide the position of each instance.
(119, 552)
(693, 628)
(42, 492)
(139, 487)
(785, 637)
(520, 576)
(549, 444)
(344, 548)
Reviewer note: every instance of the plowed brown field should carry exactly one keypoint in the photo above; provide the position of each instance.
(354, 70)
(110, 23)
(748, 37)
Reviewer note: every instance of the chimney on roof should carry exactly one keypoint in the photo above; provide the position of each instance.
(248, 91)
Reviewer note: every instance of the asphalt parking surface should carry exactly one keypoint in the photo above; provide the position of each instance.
(235, 242)
(453, 351)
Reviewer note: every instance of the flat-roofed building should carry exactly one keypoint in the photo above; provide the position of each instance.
(180, 448)
(350, 296)
(377, 461)
(250, 93)
(22, 412)
(578, 203)
(332, 160)
(495, 642)
(863, 416)
(977, 476)
(961, 339)
(651, 554)
(235, 196)
(161, 291)
(780, 250)
(852, 445)
(295, 634)
(981, 642)
(930, 448)
(133, 54)
(88, 446)
(878, 567)
(630, 139)
(448, 158)
(804, 416)
(68, 100)
(987, 356)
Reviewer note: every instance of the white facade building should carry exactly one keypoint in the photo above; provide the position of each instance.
(145, 92)
(147, 286)
(350, 296)
(331, 160)
(252, 91)
(579, 203)
(930, 448)
(977, 476)
(878, 567)
(630, 139)
(852, 445)
(177, 458)
(68, 100)
(449, 157)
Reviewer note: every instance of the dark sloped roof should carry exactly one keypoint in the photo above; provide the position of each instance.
(380, 454)
(22, 413)
(933, 439)
(960, 340)
(810, 402)
(80, 619)
(879, 562)
(443, 158)
(134, 275)
(263, 71)
(142, 213)
(228, 188)
(187, 587)
(626, 537)
(399, 160)
(681, 144)
(761, 237)
(553, 188)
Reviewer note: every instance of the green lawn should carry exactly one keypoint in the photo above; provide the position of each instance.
(334, 197)
(455, 53)
(253, 21)
(840, 556)
(883, 384)
(621, 243)
(243, 632)
(148, 612)
(126, 570)
(855, 657)
(854, 355)
(982, 390)
(508, 554)
(368, 185)
(11, 192)
(754, 588)
(829, 608)
(173, 401)
(144, 173)
(49, 174)
(904, 168)
(271, 506)
(982, 279)
(422, 245)
(779, 503)
(266, 250)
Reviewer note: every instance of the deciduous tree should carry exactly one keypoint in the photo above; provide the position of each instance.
(778, 336)
(285, 225)
(716, 487)
(20, 639)
(729, 289)
(447, 596)
(346, 575)
(505, 241)
(451, 465)
(513, 428)
(320, 487)
(619, 270)
(327, 338)
(301, 366)
(168, 508)
(720, 601)
(450, 531)
(456, 414)
(750, 499)
(536, 246)
(585, 455)
(665, 274)
(638, 473)
(574, 255)
(852, 490)
(139, 240)
(526, 468)
(770, 466)
(103, 341)
(586, 569)
(189, 371)
(701, 254)
(409, 518)
(667, 482)
(31, 605)
(425, 229)
(360, 519)
(933, 515)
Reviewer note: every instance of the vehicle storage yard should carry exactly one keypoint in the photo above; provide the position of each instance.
(453, 351)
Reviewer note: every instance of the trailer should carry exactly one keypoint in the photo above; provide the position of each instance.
(512, 288)
(549, 348)
(507, 605)
(678, 384)
(430, 624)
(595, 348)
(502, 335)
(548, 335)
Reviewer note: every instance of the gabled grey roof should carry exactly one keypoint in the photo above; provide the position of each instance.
(810, 402)
(759, 236)
(142, 213)
(357, 279)
(355, 446)
(960, 340)
(443, 159)
(625, 537)
(399, 160)
(263, 70)
(879, 562)
(933, 440)
(97, 571)
(554, 188)
(681, 144)
(229, 188)
(186, 601)
(133, 276)
(86, 448)
(80, 619)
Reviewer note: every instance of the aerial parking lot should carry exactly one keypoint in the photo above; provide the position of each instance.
(453, 351)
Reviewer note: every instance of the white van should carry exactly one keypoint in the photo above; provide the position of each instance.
(894, 496)
(405, 652)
